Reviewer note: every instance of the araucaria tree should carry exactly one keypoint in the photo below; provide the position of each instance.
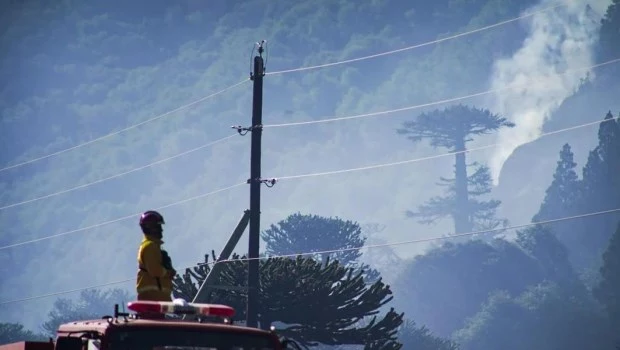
(312, 233)
(452, 128)
(324, 236)
(318, 302)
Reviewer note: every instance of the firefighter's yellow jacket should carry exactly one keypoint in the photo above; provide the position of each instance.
(154, 281)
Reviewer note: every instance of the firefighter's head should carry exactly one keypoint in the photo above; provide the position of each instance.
(151, 223)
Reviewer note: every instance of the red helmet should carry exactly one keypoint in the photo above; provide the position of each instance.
(151, 217)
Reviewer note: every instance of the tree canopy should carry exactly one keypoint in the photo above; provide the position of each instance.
(319, 302)
(544, 316)
(598, 190)
(15, 332)
(81, 70)
(452, 128)
(92, 304)
(309, 233)
(608, 289)
(312, 233)
(450, 282)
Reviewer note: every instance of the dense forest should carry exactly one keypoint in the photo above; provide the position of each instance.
(442, 241)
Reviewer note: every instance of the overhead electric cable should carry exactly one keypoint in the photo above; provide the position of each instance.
(430, 239)
(118, 174)
(124, 129)
(418, 106)
(132, 216)
(325, 173)
(415, 160)
(421, 240)
(418, 45)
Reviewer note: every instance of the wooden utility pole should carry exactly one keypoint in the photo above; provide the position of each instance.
(255, 183)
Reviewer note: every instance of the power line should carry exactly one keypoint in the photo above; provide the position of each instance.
(65, 292)
(408, 108)
(279, 72)
(418, 45)
(290, 177)
(124, 129)
(430, 239)
(296, 124)
(414, 241)
(117, 175)
(132, 216)
(415, 160)
(303, 176)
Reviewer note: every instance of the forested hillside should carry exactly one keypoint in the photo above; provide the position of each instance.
(430, 165)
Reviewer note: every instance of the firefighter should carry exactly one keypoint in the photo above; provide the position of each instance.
(154, 281)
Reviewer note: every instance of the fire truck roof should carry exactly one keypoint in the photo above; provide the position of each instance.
(101, 325)
(151, 314)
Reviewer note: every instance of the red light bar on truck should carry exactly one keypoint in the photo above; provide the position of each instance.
(180, 307)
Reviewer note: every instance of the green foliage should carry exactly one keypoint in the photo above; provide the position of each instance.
(319, 302)
(448, 284)
(610, 33)
(602, 191)
(549, 252)
(545, 316)
(600, 174)
(565, 191)
(420, 338)
(608, 290)
(452, 128)
(598, 190)
(15, 332)
(312, 233)
(481, 213)
(93, 78)
(97, 69)
(92, 304)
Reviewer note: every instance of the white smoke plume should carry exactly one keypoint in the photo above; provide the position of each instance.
(558, 40)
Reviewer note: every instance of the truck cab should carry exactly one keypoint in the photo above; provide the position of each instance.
(162, 326)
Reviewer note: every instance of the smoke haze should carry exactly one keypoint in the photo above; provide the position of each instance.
(558, 40)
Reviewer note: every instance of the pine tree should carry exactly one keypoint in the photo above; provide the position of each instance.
(600, 174)
(601, 192)
(608, 290)
(563, 198)
(563, 195)
(609, 34)
(452, 128)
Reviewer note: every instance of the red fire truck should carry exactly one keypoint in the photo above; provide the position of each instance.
(159, 326)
